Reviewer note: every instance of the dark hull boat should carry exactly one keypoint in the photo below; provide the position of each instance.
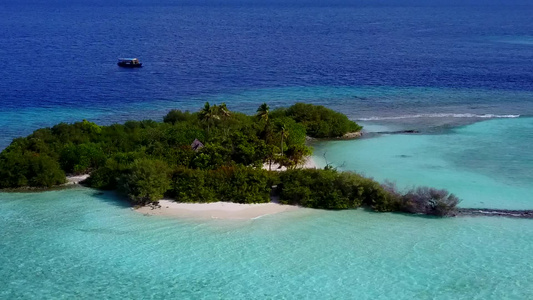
(129, 63)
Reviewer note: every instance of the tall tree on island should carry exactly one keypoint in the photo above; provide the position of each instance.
(222, 111)
(283, 132)
(224, 114)
(208, 114)
(263, 116)
(270, 155)
(262, 112)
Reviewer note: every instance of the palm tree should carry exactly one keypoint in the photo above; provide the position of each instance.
(208, 114)
(223, 111)
(262, 112)
(284, 133)
(263, 115)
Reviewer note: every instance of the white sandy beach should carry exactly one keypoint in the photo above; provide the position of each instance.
(223, 210)
(216, 210)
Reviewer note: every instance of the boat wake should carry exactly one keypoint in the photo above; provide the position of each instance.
(440, 115)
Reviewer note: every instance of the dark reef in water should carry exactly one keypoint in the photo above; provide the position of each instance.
(399, 132)
(489, 212)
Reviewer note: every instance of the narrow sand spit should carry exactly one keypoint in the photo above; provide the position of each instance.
(216, 210)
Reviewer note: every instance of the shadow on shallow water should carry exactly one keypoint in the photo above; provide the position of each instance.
(111, 197)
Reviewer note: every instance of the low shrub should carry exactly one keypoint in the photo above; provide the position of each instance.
(146, 181)
(29, 169)
(321, 122)
(429, 201)
(189, 185)
(329, 189)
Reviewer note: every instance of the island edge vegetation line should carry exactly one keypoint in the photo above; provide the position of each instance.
(147, 160)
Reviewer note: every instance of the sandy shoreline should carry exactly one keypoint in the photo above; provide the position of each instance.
(215, 210)
(223, 210)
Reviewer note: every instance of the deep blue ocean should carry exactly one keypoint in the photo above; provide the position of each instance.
(460, 72)
(366, 58)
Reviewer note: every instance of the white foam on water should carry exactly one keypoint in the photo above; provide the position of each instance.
(440, 115)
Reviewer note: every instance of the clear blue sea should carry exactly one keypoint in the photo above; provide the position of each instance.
(75, 244)
(459, 72)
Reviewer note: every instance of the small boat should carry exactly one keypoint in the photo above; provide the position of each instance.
(129, 63)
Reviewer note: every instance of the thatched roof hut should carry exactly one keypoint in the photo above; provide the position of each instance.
(197, 145)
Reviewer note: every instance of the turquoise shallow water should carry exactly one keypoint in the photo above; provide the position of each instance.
(78, 244)
(487, 164)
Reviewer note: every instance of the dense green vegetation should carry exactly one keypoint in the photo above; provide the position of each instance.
(330, 189)
(206, 156)
(110, 153)
(229, 184)
(320, 122)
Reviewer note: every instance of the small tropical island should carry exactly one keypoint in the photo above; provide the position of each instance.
(213, 155)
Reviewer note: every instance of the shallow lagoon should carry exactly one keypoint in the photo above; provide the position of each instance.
(77, 243)
(487, 164)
